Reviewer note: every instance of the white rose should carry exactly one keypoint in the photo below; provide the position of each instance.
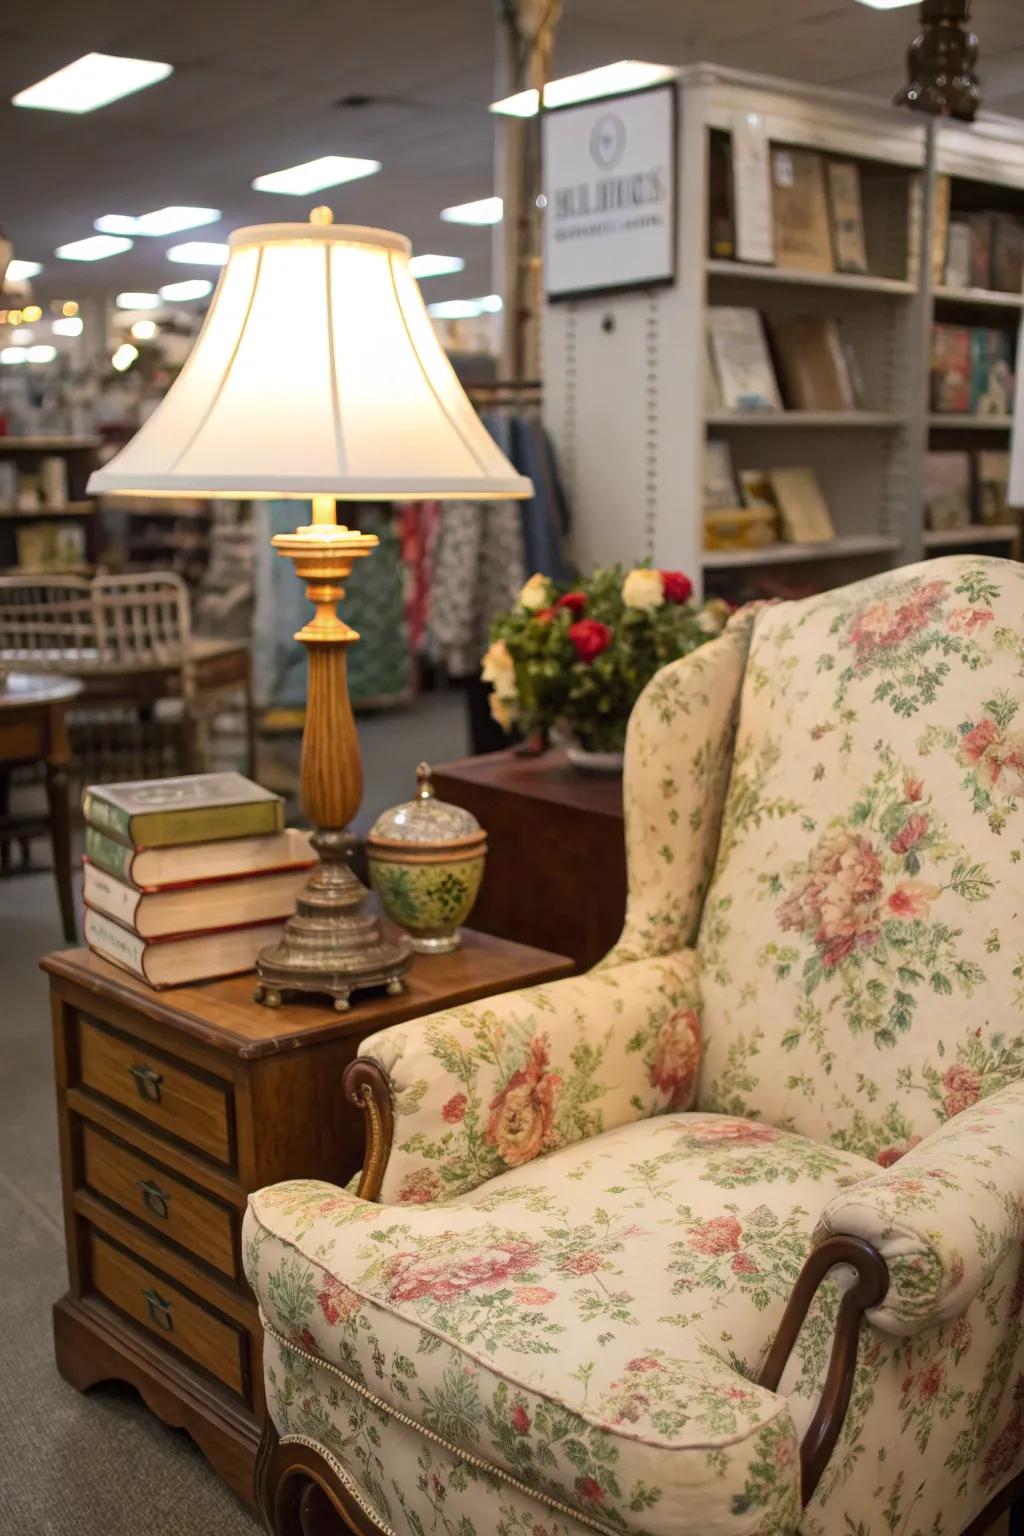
(642, 589)
(536, 594)
(498, 668)
(504, 711)
(713, 617)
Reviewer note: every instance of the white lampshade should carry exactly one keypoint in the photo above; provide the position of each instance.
(317, 373)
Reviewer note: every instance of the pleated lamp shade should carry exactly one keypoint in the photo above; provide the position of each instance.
(317, 373)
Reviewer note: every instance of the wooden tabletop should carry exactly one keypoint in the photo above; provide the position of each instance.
(223, 1013)
(548, 776)
(20, 688)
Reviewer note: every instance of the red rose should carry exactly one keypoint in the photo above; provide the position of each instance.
(545, 615)
(520, 1420)
(577, 601)
(590, 1488)
(590, 637)
(676, 587)
(455, 1109)
(912, 831)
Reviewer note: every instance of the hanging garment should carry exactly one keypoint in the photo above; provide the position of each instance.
(478, 571)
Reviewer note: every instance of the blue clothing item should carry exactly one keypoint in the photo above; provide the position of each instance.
(545, 514)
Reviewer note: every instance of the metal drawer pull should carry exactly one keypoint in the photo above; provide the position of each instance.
(159, 1310)
(147, 1082)
(154, 1198)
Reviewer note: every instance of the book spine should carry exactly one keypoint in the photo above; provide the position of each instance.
(115, 943)
(106, 852)
(111, 897)
(109, 818)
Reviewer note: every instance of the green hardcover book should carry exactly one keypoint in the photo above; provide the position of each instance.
(108, 853)
(202, 808)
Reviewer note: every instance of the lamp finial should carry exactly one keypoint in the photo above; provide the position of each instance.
(321, 215)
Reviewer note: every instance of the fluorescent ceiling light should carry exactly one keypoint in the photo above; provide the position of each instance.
(124, 356)
(486, 210)
(465, 309)
(144, 330)
(199, 253)
(13, 354)
(608, 80)
(312, 175)
(69, 325)
(435, 266)
(887, 5)
(90, 82)
(93, 248)
(20, 271)
(41, 354)
(192, 288)
(162, 221)
(22, 334)
(138, 301)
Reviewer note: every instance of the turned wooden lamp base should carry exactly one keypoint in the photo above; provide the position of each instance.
(331, 947)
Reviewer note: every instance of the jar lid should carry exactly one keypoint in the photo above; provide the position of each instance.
(425, 819)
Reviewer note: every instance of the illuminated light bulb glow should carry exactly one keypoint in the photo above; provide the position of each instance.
(92, 81)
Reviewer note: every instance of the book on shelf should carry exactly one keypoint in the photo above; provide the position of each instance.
(155, 869)
(940, 230)
(740, 528)
(752, 189)
(743, 365)
(958, 255)
(992, 363)
(756, 491)
(991, 487)
(803, 239)
(177, 962)
(719, 478)
(1007, 253)
(712, 392)
(813, 364)
(721, 223)
(199, 808)
(803, 510)
(846, 209)
(192, 909)
(949, 370)
(981, 249)
(947, 490)
(49, 546)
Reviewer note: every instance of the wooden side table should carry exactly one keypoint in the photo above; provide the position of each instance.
(172, 1106)
(32, 729)
(556, 874)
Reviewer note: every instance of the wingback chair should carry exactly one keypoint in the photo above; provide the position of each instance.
(725, 1236)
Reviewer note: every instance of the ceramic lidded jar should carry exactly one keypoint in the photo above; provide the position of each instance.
(426, 861)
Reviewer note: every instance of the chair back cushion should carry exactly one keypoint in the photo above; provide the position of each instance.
(862, 948)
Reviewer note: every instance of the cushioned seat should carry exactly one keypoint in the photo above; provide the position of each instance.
(526, 1297)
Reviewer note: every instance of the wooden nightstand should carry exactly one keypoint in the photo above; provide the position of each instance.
(172, 1106)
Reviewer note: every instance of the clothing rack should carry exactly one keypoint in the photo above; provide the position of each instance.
(495, 392)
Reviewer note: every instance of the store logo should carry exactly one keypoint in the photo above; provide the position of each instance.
(608, 141)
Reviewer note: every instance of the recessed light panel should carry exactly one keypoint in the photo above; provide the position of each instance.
(162, 221)
(486, 210)
(192, 288)
(67, 325)
(314, 175)
(465, 309)
(90, 82)
(93, 248)
(199, 253)
(13, 354)
(608, 80)
(887, 5)
(435, 266)
(41, 354)
(21, 271)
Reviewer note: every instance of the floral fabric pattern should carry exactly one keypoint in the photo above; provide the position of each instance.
(489, 1086)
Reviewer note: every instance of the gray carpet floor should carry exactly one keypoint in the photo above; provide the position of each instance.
(100, 1464)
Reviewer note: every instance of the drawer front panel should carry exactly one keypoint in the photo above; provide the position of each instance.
(171, 1095)
(168, 1312)
(174, 1210)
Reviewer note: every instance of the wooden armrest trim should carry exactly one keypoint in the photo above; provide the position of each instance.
(366, 1085)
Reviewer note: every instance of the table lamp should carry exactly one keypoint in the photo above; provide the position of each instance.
(318, 375)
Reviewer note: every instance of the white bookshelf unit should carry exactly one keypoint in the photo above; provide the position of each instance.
(624, 373)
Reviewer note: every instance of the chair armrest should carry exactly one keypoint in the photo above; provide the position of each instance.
(944, 1217)
(486, 1087)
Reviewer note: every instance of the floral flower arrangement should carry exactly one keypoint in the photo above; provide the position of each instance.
(577, 658)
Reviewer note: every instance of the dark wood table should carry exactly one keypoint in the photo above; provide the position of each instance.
(556, 866)
(172, 1106)
(33, 730)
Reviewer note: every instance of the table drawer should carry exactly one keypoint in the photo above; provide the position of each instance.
(168, 1312)
(170, 1094)
(196, 1221)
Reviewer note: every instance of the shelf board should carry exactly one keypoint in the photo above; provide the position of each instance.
(956, 421)
(782, 554)
(853, 282)
(43, 571)
(46, 444)
(66, 509)
(987, 298)
(950, 538)
(834, 419)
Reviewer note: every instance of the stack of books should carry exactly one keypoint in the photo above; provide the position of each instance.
(188, 879)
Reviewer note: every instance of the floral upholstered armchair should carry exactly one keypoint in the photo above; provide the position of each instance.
(725, 1236)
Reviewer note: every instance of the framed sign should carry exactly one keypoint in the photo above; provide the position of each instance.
(610, 185)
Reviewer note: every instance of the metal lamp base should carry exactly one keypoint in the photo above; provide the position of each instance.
(332, 947)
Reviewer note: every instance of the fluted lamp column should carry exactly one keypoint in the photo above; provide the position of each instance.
(317, 375)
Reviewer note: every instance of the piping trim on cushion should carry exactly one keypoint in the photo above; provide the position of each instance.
(428, 1434)
(344, 1478)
